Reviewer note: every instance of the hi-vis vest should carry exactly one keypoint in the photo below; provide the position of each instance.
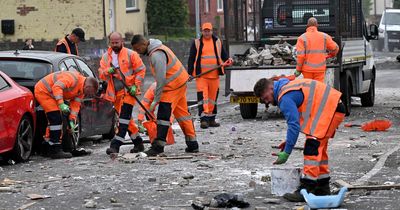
(312, 48)
(64, 85)
(131, 66)
(318, 108)
(176, 74)
(64, 41)
(208, 62)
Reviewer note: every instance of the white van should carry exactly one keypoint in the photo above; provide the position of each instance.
(391, 17)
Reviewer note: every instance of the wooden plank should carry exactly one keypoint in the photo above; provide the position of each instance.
(171, 158)
(342, 183)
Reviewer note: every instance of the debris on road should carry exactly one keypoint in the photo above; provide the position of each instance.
(388, 186)
(188, 177)
(34, 196)
(374, 125)
(278, 54)
(25, 206)
(224, 200)
(8, 182)
(91, 204)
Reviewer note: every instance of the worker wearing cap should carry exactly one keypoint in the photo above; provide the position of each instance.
(69, 44)
(315, 109)
(207, 53)
(313, 48)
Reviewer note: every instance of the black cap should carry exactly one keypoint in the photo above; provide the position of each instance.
(79, 33)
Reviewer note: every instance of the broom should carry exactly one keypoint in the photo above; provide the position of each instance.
(374, 125)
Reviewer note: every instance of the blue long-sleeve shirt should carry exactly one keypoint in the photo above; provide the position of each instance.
(288, 105)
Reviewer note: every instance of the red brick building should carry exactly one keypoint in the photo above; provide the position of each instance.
(210, 11)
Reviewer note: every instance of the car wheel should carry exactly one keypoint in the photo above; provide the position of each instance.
(24, 140)
(110, 135)
(70, 139)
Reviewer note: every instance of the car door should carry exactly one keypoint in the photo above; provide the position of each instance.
(5, 114)
(101, 110)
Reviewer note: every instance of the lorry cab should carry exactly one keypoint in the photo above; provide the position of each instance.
(282, 22)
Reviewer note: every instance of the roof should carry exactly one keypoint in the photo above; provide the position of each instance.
(48, 56)
(393, 10)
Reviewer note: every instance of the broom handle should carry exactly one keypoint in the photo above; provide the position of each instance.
(134, 96)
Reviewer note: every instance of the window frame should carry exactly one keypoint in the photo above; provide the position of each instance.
(132, 9)
(7, 86)
(83, 71)
(206, 6)
(220, 5)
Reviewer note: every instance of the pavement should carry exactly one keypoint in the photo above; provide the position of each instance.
(234, 158)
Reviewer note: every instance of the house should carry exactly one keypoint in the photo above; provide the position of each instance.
(210, 11)
(51, 19)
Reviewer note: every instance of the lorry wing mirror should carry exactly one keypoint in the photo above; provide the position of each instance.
(374, 32)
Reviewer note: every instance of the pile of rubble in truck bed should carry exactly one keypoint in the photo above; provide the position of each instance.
(278, 54)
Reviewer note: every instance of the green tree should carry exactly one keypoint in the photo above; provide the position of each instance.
(396, 4)
(366, 7)
(167, 17)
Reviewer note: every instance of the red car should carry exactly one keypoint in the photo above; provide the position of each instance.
(17, 124)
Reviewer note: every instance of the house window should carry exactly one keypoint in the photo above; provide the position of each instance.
(132, 5)
(207, 6)
(220, 5)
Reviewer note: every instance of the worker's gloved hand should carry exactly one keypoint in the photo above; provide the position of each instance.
(191, 78)
(64, 108)
(282, 158)
(72, 124)
(111, 70)
(297, 73)
(282, 145)
(132, 90)
(153, 106)
(142, 129)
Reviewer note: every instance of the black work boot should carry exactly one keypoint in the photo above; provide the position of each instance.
(192, 147)
(139, 147)
(114, 147)
(212, 123)
(323, 187)
(204, 124)
(296, 196)
(56, 152)
(157, 147)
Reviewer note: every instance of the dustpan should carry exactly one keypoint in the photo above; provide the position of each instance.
(324, 202)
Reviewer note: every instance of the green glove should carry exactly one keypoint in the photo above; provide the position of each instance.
(64, 108)
(297, 73)
(132, 90)
(111, 70)
(142, 129)
(153, 106)
(72, 124)
(282, 158)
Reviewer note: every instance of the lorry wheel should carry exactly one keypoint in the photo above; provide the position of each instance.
(248, 111)
(346, 89)
(368, 99)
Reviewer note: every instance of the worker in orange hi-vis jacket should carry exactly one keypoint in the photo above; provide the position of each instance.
(313, 48)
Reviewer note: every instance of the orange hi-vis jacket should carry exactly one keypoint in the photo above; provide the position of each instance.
(318, 108)
(131, 66)
(176, 74)
(147, 100)
(209, 59)
(64, 85)
(312, 49)
(64, 41)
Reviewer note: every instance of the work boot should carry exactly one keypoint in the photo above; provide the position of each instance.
(192, 147)
(323, 187)
(56, 152)
(213, 123)
(114, 147)
(204, 124)
(157, 147)
(296, 196)
(139, 147)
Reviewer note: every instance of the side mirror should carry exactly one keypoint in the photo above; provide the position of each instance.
(374, 32)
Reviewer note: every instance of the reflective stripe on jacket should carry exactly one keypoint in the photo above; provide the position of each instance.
(64, 85)
(65, 42)
(318, 107)
(131, 66)
(312, 49)
(176, 75)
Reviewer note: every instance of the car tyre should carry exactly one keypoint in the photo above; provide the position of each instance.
(110, 135)
(70, 141)
(24, 140)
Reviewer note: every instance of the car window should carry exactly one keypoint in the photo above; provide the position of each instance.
(85, 68)
(70, 63)
(25, 69)
(62, 66)
(3, 84)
